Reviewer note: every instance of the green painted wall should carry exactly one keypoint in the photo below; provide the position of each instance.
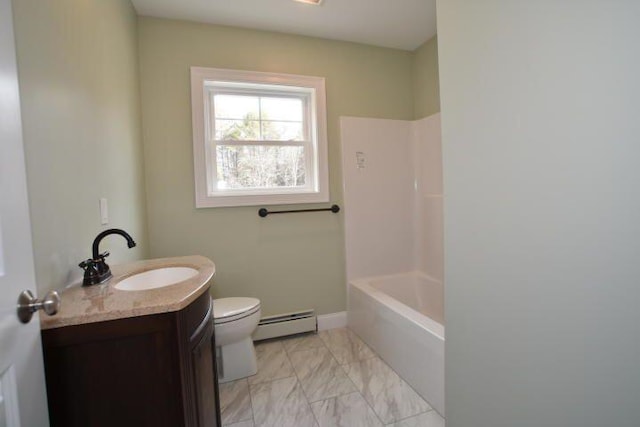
(426, 82)
(288, 261)
(77, 63)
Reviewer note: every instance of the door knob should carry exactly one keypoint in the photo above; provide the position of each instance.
(28, 304)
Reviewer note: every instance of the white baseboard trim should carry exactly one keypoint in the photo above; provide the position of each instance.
(332, 321)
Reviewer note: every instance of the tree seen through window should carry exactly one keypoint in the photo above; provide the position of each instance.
(242, 166)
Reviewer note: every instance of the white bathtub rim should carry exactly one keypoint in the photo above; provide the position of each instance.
(414, 316)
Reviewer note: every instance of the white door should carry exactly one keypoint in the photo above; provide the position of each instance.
(23, 400)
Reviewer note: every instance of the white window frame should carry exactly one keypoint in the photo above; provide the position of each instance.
(206, 193)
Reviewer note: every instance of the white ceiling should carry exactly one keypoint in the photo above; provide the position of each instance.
(401, 24)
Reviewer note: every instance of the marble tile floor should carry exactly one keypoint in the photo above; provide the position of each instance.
(329, 379)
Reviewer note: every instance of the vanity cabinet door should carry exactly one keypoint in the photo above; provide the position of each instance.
(204, 378)
(155, 370)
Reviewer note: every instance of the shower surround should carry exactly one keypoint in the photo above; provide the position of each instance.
(394, 245)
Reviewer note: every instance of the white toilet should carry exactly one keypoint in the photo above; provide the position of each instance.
(235, 320)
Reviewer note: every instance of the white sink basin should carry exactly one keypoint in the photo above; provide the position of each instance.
(157, 278)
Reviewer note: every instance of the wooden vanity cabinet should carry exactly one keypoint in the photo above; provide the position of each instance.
(154, 370)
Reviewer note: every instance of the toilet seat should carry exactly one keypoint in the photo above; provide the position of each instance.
(227, 310)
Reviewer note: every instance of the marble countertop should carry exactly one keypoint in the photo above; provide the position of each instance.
(99, 303)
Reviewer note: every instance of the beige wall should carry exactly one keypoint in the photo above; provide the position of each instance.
(78, 73)
(288, 261)
(426, 83)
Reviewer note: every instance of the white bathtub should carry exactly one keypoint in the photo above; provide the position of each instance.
(401, 318)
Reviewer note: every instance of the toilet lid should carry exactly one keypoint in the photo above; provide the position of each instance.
(226, 308)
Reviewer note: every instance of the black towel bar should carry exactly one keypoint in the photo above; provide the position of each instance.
(263, 212)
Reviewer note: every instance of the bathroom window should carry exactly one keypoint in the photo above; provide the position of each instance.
(259, 138)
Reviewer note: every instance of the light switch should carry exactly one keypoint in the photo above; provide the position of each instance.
(104, 211)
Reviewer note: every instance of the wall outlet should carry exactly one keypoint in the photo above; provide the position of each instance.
(360, 159)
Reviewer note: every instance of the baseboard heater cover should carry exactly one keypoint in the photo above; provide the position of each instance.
(285, 324)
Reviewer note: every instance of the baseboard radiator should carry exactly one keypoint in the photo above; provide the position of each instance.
(285, 324)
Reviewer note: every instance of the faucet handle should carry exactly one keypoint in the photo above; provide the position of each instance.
(89, 263)
(103, 255)
(91, 272)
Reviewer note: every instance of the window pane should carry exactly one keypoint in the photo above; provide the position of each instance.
(281, 131)
(251, 166)
(289, 109)
(238, 130)
(236, 107)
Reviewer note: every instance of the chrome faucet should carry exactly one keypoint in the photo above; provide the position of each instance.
(96, 270)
